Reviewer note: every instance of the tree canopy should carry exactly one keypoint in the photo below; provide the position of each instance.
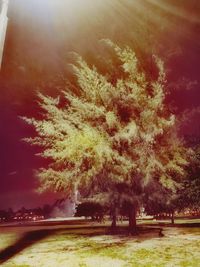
(109, 132)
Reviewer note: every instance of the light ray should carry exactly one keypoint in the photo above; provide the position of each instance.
(175, 11)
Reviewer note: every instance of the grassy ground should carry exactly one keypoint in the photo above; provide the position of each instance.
(92, 247)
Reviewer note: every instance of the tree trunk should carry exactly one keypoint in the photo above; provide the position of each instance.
(114, 219)
(132, 220)
(172, 217)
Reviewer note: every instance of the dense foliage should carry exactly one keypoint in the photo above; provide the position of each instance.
(110, 134)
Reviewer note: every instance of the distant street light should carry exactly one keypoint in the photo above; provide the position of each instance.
(3, 25)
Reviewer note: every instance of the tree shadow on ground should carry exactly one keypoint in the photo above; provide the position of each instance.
(32, 237)
(22, 243)
(121, 231)
(109, 243)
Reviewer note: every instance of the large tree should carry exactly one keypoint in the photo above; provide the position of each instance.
(110, 134)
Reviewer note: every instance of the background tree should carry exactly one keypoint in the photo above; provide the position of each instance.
(109, 133)
(189, 195)
(90, 209)
(159, 200)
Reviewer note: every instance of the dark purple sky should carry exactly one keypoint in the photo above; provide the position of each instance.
(40, 35)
